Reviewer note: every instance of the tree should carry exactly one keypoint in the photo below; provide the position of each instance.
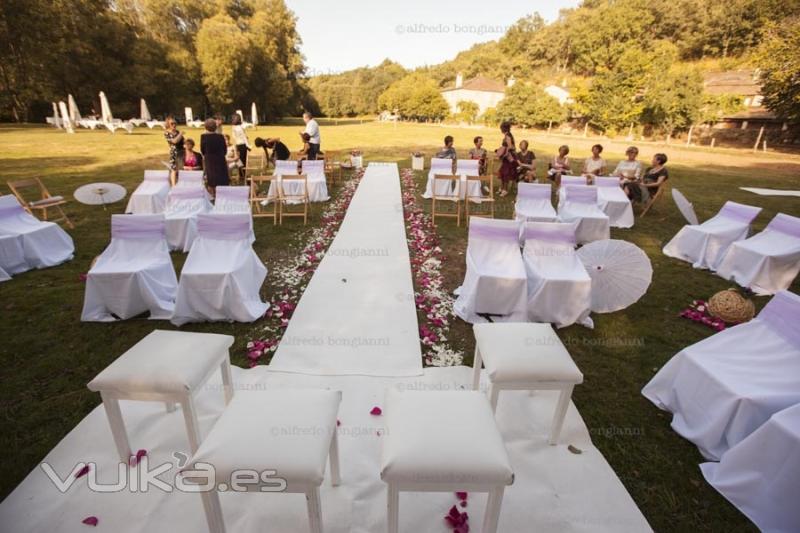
(673, 101)
(530, 106)
(415, 97)
(717, 106)
(778, 58)
(467, 111)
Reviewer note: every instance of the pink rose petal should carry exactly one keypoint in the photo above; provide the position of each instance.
(90, 521)
(376, 411)
(82, 472)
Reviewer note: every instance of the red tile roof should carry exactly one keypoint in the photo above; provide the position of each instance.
(480, 84)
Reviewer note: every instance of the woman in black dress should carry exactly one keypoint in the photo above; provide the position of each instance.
(653, 178)
(213, 148)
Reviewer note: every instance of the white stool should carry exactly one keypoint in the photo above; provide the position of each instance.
(165, 366)
(443, 442)
(285, 435)
(525, 356)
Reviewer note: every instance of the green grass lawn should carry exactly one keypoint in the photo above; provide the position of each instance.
(47, 355)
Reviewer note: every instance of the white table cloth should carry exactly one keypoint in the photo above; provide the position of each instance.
(315, 178)
(183, 205)
(768, 262)
(438, 166)
(44, 244)
(534, 203)
(465, 167)
(559, 288)
(495, 283)
(222, 277)
(613, 202)
(134, 273)
(150, 197)
(723, 388)
(704, 245)
(580, 207)
(761, 474)
(12, 255)
(4, 275)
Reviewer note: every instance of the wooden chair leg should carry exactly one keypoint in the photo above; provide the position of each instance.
(476, 369)
(560, 414)
(114, 414)
(333, 459)
(393, 503)
(227, 380)
(213, 510)
(494, 393)
(314, 510)
(492, 514)
(192, 426)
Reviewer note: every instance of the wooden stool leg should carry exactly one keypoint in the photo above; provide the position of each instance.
(213, 509)
(114, 415)
(494, 392)
(171, 406)
(492, 515)
(394, 508)
(227, 380)
(333, 459)
(192, 427)
(314, 510)
(476, 369)
(560, 414)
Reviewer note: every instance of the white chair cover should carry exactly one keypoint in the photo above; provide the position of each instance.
(439, 166)
(569, 180)
(760, 474)
(44, 244)
(580, 207)
(534, 203)
(183, 206)
(315, 178)
(12, 256)
(150, 197)
(190, 178)
(704, 245)
(724, 387)
(768, 262)
(234, 200)
(495, 282)
(559, 288)
(613, 202)
(222, 277)
(134, 273)
(469, 167)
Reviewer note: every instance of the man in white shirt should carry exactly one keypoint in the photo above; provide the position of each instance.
(312, 128)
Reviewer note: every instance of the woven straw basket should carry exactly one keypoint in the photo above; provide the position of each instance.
(731, 306)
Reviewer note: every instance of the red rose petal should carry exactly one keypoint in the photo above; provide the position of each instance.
(461, 495)
(376, 411)
(82, 472)
(90, 521)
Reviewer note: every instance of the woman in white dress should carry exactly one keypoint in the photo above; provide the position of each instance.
(594, 166)
(629, 169)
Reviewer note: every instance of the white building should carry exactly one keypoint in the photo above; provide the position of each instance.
(483, 91)
(559, 93)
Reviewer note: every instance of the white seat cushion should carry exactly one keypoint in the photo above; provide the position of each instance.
(164, 362)
(443, 438)
(286, 430)
(520, 352)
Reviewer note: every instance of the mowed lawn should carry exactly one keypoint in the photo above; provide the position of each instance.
(47, 355)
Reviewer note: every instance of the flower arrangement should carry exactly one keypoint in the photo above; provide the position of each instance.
(295, 275)
(698, 312)
(434, 303)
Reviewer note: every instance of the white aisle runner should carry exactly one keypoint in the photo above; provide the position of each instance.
(357, 315)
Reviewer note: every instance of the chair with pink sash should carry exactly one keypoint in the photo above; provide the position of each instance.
(222, 277)
(767, 262)
(495, 285)
(234, 200)
(439, 166)
(559, 288)
(317, 183)
(723, 388)
(613, 201)
(150, 197)
(183, 206)
(28, 242)
(705, 245)
(134, 273)
(190, 178)
(534, 203)
(569, 180)
(580, 207)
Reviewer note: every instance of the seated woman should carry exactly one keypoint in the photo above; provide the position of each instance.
(448, 152)
(232, 155)
(304, 152)
(479, 153)
(526, 170)
(594, 166)
(192, 160)
(559, 166)
(654, 177)
(629, 169)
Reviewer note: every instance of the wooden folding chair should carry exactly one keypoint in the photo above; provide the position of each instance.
(488, 183)
(454, 186)
(255, 167)
(333, 167)
(47, 200)
(653, 199)
(288, 199)
(259, 192)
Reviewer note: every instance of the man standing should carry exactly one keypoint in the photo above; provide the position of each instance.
(312, 129)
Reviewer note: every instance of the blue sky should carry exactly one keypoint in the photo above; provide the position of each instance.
(353, 33)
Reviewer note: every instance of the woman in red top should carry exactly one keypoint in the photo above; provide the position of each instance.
(507, 154)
